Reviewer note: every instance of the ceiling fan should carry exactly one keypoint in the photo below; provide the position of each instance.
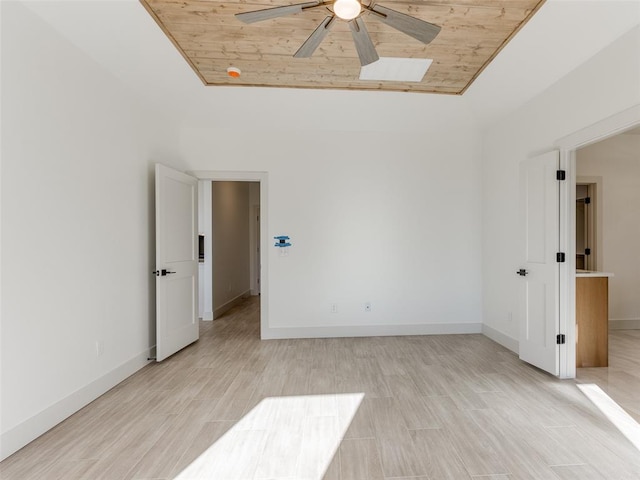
(350, 11)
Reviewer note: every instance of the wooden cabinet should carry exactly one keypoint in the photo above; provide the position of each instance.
(592, 321)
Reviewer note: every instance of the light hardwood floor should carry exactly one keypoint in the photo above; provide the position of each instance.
(434, 407)
(621, 380)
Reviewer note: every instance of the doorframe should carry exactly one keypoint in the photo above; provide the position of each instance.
(204, 188)
(256, 251)
(568, 145)
(262, 178)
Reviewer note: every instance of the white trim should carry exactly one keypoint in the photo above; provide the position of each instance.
(567, 283)
(225, 307)
(207, 287)
(505, 340)
(14, 439)
(371, 330)
(601, 130)
(228, 176)
(262, 177)
(624, 324)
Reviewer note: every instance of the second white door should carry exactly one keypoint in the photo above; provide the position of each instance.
(539, 271)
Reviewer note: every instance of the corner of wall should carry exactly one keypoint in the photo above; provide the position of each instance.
(19, 436)
(501, 338)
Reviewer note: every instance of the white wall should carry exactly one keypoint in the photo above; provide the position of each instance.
(77, 228)
(617, 161)
(230, 209)
(383, 217)
(603, 86)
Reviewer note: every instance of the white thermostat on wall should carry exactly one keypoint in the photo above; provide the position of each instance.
(282, 244)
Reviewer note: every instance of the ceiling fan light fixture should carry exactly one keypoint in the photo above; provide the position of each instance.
(347, 9)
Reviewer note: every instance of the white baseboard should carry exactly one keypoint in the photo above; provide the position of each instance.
(14, 439)
(505, 340)
(626, 324)
(222, 309)
(207, 316)
(370, 330)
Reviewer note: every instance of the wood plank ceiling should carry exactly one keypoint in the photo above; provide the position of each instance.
(211, 39)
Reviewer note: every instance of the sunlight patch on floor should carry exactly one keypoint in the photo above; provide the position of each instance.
(614, 412)
(282, 437)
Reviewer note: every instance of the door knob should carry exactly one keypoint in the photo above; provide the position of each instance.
(162, 273)
(522, 272)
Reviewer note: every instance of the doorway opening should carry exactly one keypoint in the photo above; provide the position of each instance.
(586, 225)
(234, 226)
(615, 164)
(569, 146)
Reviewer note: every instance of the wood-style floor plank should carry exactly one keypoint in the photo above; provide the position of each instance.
(444, 407)
(359, 460)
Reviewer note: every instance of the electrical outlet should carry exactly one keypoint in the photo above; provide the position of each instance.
(509, 317)
(367, 307)
(99, 348)
(334, 308)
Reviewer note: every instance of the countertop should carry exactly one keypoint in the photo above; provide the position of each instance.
(590, 273)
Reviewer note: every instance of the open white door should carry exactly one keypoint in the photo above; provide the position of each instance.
(539, 272)
(176, 261)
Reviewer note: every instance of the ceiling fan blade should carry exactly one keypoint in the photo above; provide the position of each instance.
(275, 12)
(364, 45)
(315, 39)
(412, 26)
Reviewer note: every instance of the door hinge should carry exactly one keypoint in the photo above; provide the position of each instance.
(560, 340)
(587, 200)
(560, 257)
(561, 175)
(587, 251)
